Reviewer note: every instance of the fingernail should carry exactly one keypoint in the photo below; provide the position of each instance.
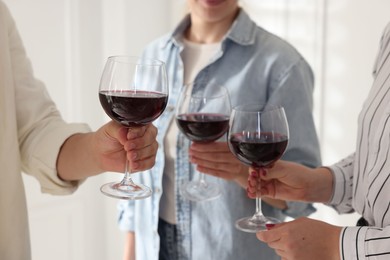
(135, 132)
(131, 135)
(254, 174)
(269, 226)
(263, 172)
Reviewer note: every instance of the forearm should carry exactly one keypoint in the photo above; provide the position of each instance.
(320, 186)
(129, 250)
(77, 159)
(296, 182)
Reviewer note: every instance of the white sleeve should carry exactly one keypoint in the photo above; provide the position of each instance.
(342, 185)
(364, 243)
(40, 127)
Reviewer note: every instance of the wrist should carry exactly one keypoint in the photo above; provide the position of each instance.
(322, 186)
(336, 242)
(77, 158)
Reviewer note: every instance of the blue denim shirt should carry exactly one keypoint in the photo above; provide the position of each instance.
(255, 66)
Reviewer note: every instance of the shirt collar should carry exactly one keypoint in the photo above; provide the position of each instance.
(240, 32)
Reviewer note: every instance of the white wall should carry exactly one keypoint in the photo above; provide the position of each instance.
(69, 40)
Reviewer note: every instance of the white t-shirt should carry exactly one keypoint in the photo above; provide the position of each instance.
(195, 57)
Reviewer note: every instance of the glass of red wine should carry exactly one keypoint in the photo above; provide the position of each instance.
(133, 91)
(202, 115)
(258, 136)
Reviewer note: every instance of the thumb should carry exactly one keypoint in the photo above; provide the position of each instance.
(271, 234)
(275, 171)
(115, 131)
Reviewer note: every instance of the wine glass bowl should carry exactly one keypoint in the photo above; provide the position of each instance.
(258, 137)
(133, 108)
(133, 91)
(202, 115)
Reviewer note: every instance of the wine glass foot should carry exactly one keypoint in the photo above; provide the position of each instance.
(200, 191)
(255, 224)
(126, 192)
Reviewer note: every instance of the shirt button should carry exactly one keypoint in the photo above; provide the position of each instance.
(157, 190)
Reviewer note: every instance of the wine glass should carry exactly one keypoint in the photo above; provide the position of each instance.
(202, 115)
(133, 91)
(258, 136)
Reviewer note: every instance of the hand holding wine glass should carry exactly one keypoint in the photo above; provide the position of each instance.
(133, 91)
(258, 136)
(292, 181)
(202, 115)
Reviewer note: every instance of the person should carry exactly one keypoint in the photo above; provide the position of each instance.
(359, 182)
(217, 42)
(36, 140)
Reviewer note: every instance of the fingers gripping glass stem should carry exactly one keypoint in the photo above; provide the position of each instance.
(126, 189)
(256, 222)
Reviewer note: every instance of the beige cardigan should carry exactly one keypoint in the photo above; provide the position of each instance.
(31, 134)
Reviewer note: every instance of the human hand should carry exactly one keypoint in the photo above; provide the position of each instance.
(114, 143)
(87, 154)
(303, 239)
(291, 181)
(216, 159)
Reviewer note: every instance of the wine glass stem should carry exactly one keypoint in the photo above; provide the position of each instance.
(259, 212)
(202, 180)
(127, 177)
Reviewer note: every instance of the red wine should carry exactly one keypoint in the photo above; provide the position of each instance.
(133, 108)
(203, 127)
(258, 150)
